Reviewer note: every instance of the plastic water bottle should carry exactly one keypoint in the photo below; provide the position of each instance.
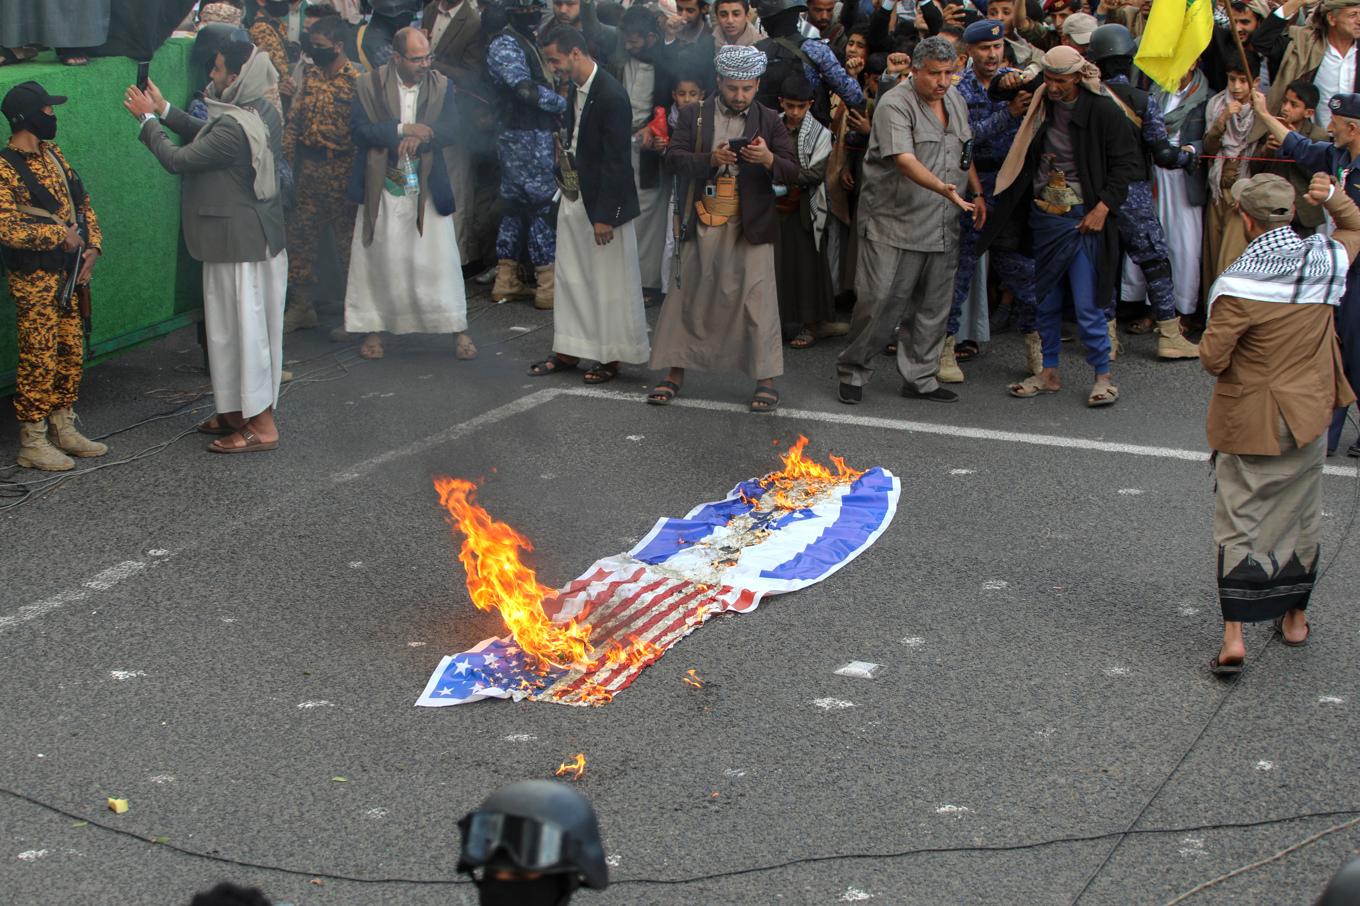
(411, 176)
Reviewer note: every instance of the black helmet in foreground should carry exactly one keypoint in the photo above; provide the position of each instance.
(1110, 41)
(538, 827)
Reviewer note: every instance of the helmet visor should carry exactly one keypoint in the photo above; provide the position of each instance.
(531, 844)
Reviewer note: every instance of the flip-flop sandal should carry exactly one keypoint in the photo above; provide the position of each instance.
(967, 350)
(253, 444)
(804, 339)
(765, 399)
(1279, 630)
(1231, 669)
(221, 429)
(663, 393)
(1029, 388)
(1103, 395)
(602, 373)
(551, 365)
(464, 350)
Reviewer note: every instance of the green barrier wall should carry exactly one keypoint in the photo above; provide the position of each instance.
(145, 284)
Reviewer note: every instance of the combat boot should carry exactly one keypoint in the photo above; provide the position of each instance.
(950, 372)
(1034, 352)
(508, 285)
(1172, 344)
(543, 295)
(1115, 348)
(67, 438)
(37, 452)
(299, 314)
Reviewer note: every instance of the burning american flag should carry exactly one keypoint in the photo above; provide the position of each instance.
(585, 642)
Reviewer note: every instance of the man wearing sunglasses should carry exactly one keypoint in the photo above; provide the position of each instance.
(532, 843)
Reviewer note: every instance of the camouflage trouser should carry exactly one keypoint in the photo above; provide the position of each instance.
(321, 205)
(527, 189)
(51, 346)
(1140, 233)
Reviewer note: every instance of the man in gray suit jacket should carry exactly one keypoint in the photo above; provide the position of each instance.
(232, 213)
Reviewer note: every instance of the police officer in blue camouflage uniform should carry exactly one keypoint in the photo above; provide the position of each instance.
(1140, 232)
(994, 125)
(787, 51)
(530, 110)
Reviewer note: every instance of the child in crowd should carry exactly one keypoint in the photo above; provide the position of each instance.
(1229, 139)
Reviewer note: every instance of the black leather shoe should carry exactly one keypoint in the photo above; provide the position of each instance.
(851, 394)
(938, 395)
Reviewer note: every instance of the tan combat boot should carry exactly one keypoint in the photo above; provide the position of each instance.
(1172, 344)
(543, 296)
(950, 372)
(37, 452)
(299, 314)
(1034, 352)
(68, 439)
(508, 285)
(1115, 348)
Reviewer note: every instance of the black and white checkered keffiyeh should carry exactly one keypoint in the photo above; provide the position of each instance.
(1280, 266)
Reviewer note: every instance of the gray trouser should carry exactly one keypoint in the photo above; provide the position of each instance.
(903, 293)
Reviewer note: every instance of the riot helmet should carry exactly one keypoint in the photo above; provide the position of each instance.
(538, 828)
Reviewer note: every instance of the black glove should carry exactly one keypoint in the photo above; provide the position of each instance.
(527, 92)
(1166, 155)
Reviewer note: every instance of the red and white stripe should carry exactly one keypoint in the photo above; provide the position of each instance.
(632, 602)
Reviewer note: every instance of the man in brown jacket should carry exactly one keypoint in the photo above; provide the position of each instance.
(1272, 344)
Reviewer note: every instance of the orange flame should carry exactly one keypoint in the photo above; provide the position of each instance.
(498, 580)
(572, 769)
(691, 678)
(803, 478)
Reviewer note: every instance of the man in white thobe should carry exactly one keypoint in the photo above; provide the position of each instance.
(405, 275)
(597, 310)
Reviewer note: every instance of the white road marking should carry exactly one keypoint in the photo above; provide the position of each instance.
(452, 433)
(33, 855)
(963, 471)
(832, 704)
(1116, 671)
(1130, 492)
(319, 703)
(952, 810)
(954, 431)
(859, 670)
(913, 641)
(415, 644)
(376, 813)
(995, 584)
(100, 581)
(520, 737)
(1331, 700)
(1264, 765)
(162, 778)
(734, 772)
(356, 564)
(121, 675)
(612, 861)
(855, 895)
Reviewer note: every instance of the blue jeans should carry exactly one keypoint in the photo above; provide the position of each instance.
(1065, 265)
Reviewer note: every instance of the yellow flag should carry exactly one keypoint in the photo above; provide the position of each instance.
(1176, 33)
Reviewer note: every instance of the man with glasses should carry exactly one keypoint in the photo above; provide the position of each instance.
(405, 275)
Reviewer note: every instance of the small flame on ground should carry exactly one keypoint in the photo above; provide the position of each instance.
(691, 678)
(573, 769)
(802, 478)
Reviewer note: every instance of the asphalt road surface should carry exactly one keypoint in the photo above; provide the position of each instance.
(217, 639)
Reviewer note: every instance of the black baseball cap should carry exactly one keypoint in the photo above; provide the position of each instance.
(25, 99)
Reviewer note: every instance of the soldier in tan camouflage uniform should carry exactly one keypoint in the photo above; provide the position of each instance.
(40, 237)
(318, 143)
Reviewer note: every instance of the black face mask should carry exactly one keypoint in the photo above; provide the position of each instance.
(525, 21)
(43, 125)
(548, 890)
(323, 56)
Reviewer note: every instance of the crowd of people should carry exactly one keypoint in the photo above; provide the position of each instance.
(937, 170)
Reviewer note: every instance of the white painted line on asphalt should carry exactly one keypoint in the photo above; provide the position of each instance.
(100, 581)
(892, 424)
(490, 417)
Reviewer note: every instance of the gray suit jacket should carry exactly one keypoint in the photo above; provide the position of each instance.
(222, 219)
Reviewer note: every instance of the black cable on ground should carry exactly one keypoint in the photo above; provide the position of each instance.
(692, 879)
